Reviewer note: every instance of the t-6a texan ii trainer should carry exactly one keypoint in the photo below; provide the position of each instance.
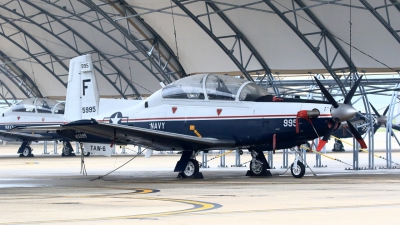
(200, 113)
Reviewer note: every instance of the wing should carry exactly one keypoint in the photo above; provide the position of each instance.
(22, 136)
(154, 139)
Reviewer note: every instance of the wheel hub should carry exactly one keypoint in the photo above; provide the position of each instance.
(297, 170)
(189, 170)
(26, 152)
(66, 151)
(256, 167)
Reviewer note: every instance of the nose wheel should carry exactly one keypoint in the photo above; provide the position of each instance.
(298, 169)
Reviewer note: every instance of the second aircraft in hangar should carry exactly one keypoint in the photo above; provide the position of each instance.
(29, 112)
(200, 113)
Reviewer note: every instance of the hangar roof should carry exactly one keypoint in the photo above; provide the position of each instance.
(135, 44)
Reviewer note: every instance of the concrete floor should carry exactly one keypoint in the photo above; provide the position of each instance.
(49, 189)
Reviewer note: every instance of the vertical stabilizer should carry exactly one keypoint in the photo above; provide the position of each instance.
(82, 100)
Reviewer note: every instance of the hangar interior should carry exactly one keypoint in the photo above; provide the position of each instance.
(136, 44)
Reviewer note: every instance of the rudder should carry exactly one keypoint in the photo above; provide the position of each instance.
(82, 99)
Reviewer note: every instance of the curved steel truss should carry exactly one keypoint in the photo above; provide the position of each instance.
(163, 63)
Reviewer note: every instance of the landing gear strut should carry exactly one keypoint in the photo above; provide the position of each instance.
(259, 165)
(67, 149)
(188, 166)
(297, 168)
(25, 150)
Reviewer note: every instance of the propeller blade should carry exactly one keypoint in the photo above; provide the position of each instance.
(373, 108)
(353, 90)
(357, 135)
(384, 113)
(327, 94)
(324, 140)
(396, 127)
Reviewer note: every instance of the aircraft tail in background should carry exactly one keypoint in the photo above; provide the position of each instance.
(82, 99)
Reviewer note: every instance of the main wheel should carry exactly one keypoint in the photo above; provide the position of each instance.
(27, 152)
(66, 151)
(191, 168)
(256, 167)
(299, 171)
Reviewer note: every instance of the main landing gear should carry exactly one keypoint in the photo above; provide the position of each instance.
(25, 150)
(188, 166)
(258, 165)
(67, 149)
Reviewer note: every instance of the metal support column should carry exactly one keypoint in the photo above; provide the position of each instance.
(389, 128)
(222, 158)
(271, 159)
(55, 147)
(139, 150)
(204, 159)
(237, 159)
(285, 156)
(318, 159)
(77, 148)
(355, 154)
(304, 155)
(45, 148)
(123, 150)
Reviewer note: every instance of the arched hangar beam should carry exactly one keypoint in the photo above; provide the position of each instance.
(378, 16)
(70, 29)
(165, 51)
(19, 78)
(328, 34)
(101, 30)
(160, 67)
(314, 49)
(4, 94)
(247, 43)
(238, 62)
(27, 51)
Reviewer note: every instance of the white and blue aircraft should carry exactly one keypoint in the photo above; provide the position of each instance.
(200, 113)
(29, 112)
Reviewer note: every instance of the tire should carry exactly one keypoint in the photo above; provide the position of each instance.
(191, 168)
(66, 151)
(27, 152)
(256, 167)
(299, 171)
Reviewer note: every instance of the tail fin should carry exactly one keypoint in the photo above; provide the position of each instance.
(82, 100)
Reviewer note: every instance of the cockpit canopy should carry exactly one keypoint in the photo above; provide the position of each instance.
(213, 87)
(39, 105)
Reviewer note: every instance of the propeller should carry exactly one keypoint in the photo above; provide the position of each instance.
(382, 119)
(340, 112)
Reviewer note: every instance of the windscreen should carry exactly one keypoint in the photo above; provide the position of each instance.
(222, 87)
(185, 88)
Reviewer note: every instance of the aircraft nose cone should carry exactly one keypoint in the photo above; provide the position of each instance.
(343, 112)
